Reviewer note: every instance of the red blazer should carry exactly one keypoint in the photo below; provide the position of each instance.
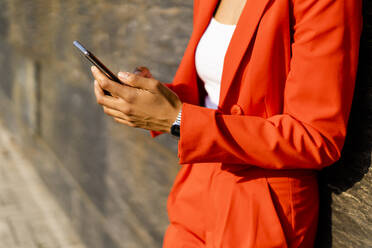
(286, 90)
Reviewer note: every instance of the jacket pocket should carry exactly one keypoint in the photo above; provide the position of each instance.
(245, 215)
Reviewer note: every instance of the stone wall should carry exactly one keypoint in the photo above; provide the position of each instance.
(113, 181)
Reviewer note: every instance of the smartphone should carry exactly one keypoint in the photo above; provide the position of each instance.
(95, 61)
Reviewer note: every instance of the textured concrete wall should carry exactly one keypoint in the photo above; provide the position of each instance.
(111, 180)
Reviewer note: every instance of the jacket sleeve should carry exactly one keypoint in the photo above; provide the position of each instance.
(318, 93)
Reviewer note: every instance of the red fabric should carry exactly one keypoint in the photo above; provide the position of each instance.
(286, 93)
(210, 206)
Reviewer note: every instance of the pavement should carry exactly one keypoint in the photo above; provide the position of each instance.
(29, 215)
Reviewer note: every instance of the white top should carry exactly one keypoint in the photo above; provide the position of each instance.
(210, 56)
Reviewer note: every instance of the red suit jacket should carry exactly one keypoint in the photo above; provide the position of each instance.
(286, 93)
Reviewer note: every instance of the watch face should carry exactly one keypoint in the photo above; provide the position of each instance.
(175, 130)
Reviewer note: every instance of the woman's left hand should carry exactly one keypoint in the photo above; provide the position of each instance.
(141, 102)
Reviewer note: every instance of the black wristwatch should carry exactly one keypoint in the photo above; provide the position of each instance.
(176, 126)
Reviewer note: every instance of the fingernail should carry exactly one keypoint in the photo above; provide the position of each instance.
(93, 68)
(123, 75)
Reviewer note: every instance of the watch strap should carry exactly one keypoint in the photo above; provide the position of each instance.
(175, 129)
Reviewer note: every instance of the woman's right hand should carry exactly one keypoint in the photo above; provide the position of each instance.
(142, 101)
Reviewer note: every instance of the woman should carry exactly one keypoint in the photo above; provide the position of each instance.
(262, 97)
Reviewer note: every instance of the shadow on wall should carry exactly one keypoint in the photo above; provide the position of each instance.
(356, 155)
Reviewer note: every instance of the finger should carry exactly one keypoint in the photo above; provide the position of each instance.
(115, 113)
(112, 102)
(105, 100)
(99, 89)
(125, 122)
(106, 83)
(138, 81)
(138, 71)
(143, 71)
(126, 92)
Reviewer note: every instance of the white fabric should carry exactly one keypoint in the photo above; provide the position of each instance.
(209, 58)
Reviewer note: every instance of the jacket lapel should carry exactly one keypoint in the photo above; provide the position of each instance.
(203, 16)
(240, 40)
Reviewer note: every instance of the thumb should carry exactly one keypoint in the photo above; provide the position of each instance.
(137, 81)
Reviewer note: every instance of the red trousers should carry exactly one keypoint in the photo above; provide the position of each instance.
(220, 206)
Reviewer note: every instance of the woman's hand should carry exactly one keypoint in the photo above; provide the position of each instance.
(142, 102)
